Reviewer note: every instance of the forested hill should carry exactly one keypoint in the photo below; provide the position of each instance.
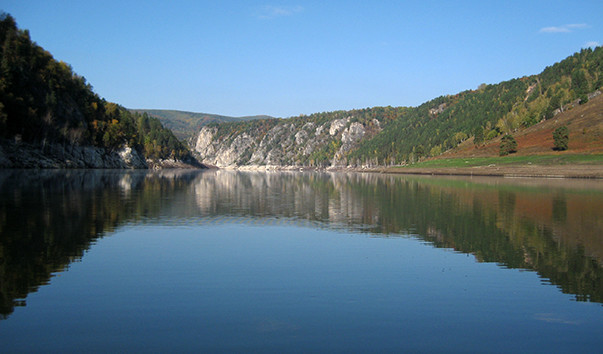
(51, 113)
(185, 124)
(489, 111)
(398, 135)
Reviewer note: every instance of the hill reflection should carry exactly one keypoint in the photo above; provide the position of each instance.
(49, 219)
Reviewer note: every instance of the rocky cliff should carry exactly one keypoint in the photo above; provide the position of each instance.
(301, 142)
(24, 155)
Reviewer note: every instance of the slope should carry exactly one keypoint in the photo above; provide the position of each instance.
(535, 156)
(51, 114)
(487, 112)
(585, 124)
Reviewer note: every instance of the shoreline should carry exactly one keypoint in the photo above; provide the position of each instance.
(523, 171)
(574, 171)
(27, 156)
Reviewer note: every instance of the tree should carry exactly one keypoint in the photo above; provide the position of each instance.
(508, 145)
(561, 138)
(478, 133)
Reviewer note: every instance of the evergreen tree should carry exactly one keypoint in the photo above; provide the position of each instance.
(478, 134)
(508, 145)
(561, 138)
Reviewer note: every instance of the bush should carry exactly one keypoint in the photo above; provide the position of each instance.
(561, 138)
(508, 145)
(492, 134)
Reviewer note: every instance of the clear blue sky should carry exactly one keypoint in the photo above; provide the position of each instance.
(286, 58)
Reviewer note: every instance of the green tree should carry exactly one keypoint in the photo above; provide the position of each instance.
(561, 138)
(508, 145)
(478, 133)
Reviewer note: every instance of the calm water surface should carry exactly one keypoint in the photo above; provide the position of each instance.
(226, 261)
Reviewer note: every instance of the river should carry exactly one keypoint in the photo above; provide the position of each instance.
(137, 261)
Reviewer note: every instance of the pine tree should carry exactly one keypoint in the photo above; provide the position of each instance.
(508, 145)
(561, 138)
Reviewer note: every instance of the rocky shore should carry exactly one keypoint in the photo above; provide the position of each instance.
(536, 171)
(54, 156)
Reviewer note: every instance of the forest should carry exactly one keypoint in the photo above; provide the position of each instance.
(42, 101)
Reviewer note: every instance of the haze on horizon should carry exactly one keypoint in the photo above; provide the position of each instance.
(285, 58)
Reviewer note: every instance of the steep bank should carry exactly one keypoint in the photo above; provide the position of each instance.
(584, 123)
(25, 155)
(52, 156)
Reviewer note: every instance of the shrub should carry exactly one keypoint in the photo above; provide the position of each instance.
(561, 138)
(492, 134)
(508, 145)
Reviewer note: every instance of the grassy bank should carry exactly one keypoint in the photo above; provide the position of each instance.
(543, 160)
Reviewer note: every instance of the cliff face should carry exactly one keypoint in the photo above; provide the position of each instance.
(24, 155)
(292, 142)
(53, 156)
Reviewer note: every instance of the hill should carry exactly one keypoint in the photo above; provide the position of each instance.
(185, 124)
(50, 117)
(584, 122)
(381, 136)
(535, 156)
(488, 112)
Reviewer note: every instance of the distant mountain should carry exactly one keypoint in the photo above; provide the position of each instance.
(185, 124)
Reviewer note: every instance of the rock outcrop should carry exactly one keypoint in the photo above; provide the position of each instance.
(24, 155)
(53, 156)
(285, 143)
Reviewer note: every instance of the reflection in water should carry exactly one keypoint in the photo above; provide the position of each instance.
(48, 219)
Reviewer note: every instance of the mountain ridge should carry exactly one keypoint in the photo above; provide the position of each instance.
(383, 136)
(184, 124)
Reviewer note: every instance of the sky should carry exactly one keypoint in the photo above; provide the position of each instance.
(286, 58)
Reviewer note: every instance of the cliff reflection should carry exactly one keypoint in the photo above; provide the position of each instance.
(49, 219)
(554, 227)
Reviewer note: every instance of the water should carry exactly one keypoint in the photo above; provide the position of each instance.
(223, 261)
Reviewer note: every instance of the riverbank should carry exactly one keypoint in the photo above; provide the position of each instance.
(560, 165)
(21, 155)
(590, 171)
(539, 171)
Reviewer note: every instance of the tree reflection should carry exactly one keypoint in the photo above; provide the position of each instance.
(49, 219)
